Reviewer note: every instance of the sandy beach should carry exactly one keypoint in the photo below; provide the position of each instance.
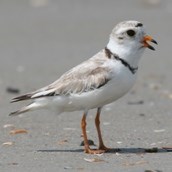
(42, 39)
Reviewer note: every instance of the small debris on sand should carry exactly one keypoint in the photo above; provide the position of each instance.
(8, 143)
(139, 102)
(151, 150)
(18, 131)
(12, 90)
(93, 160)
(90, 142)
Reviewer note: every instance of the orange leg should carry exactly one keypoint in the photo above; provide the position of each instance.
(87, 147)
(97, 122)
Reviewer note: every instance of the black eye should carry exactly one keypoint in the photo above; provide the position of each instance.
(131, 32)
(139, 25)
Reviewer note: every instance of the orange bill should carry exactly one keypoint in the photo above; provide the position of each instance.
(147, 38)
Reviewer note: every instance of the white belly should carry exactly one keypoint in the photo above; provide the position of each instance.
(113, 90)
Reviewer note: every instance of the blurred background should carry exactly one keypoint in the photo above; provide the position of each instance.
(42, 39)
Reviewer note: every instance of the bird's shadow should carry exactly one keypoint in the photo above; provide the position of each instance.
(119, 150)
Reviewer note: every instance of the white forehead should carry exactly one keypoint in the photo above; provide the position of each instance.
(125, 25)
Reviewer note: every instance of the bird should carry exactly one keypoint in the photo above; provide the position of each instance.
(96, 82)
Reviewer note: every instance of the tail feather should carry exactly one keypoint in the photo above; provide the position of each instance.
(18, 112)
(30, 107)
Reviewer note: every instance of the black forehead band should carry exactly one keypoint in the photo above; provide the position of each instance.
(139, 25)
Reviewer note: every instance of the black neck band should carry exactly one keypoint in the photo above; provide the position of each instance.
(125, 63)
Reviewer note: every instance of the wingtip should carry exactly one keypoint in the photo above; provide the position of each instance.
(21, 98)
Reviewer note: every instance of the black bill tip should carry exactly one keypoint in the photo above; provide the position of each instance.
(154, 41)
(151, 48)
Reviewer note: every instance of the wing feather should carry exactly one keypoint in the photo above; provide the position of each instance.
(87, 76)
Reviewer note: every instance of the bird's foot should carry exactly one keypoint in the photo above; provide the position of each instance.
(100, 150)
(103, 147)
(94, 151)
(106, 149)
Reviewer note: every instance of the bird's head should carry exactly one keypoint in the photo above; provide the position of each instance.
(132, 34)
(129, 38)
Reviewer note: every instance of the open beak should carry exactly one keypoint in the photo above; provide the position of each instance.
(148, 38)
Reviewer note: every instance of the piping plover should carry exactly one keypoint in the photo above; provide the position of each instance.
(100, 80)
